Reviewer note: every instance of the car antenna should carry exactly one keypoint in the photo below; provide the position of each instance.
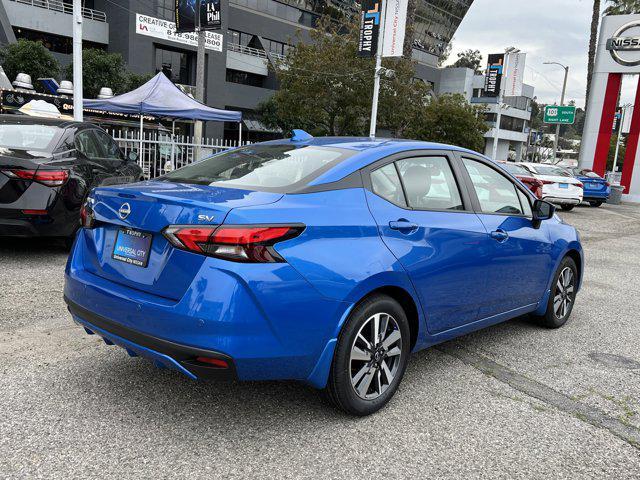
(301, 136)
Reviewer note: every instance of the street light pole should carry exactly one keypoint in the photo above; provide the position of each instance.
(378, 72)
(564, 91)
(77, 60)
(615, 158)
(200, 59)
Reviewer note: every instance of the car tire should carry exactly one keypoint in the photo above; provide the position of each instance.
(596, 204)
(567, 208)
(563, 295)
(364, 376)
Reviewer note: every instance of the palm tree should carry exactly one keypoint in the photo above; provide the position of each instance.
(622, 7)
(593, 43)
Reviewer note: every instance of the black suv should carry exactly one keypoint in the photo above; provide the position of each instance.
(47, 169)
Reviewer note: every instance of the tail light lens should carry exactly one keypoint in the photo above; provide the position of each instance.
(50, 178)
(581, 185)
(87, 218)
(237, 243)
(547, 182)
(607, 184)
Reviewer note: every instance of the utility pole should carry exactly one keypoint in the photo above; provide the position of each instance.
(77, 61)
(505, 71)
(200, 59)
(378, 73)
(564, 91)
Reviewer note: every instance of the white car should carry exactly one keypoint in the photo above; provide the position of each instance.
(559, 187)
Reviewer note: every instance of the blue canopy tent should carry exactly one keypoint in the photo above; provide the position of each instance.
(161, 98)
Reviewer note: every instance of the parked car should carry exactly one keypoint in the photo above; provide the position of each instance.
(48, 167)
(596, 189)
(558, 185)
(525, 176)
(325, 261)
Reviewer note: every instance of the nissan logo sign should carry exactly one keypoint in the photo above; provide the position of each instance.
(125, 211)
(619, 44)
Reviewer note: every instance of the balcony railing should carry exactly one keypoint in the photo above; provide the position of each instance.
(62, 7)
(254, 52)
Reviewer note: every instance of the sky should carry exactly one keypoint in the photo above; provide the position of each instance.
(548, 30)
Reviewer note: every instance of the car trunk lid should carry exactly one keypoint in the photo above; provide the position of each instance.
(148, 208)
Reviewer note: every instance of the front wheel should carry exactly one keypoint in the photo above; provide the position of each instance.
(371, 356)
(563, 295)
(567, 208)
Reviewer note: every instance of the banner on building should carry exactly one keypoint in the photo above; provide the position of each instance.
(369, 28)
(210, 15)
(395, 26)
(493, 79)
(165, 30)
(186, 15)
(515, 74)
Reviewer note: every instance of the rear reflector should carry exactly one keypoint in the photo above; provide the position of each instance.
(35, 212)
(238, 243)
(50, 178)
(214, 362)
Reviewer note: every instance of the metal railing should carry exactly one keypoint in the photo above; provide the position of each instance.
(162, 152)
(62, 7)
(254, 52)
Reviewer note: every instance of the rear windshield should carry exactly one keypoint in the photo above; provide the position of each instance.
(28, 137)
(552, 170)
(279, 168)
(515, 169)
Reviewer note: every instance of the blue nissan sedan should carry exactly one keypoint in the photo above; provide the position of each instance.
(322, 260)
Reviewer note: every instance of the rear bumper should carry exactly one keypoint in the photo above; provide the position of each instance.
(267, 319)
(596, 195)
(58, 222)
(163, 353)
(563, 201)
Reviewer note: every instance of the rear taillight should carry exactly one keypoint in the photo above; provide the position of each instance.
(50, 178)
(238, 243)
(607, 184)
(87, 218)
(547, 182)
(580, 185)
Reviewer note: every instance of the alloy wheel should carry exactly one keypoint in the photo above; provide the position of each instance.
(375, 356)
(565, 288)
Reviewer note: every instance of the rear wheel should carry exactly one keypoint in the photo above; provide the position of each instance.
(567, 208)
(370, 358)
(563, 295)
(596, 204)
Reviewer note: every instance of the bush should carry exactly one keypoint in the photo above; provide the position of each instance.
(29, 57)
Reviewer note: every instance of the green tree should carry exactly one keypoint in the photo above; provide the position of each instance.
(469, 59)
(26, 56)
(622, 7)
(451, 119)
(135, 80)
(100, 69)
(612, 152)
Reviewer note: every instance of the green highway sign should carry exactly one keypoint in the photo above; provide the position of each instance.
(555, 115)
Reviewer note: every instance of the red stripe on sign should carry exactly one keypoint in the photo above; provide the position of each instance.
(632, 145)
(606, 123)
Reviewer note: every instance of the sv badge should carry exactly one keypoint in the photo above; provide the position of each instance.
(206, 218)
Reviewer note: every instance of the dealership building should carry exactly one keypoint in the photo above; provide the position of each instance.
(255, 33)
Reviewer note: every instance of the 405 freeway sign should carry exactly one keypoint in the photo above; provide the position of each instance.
(555, 115)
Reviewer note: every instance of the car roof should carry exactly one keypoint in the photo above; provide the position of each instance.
(16, 119)
(365, 151)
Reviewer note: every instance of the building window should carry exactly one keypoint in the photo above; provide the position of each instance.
(54, 43)
(512, 124)
(245, 78)
(166, 9)
(175, 64)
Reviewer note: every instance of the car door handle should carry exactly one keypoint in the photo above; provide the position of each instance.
(403, 226)
(500, 235)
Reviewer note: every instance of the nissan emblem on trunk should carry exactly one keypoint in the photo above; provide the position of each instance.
(125, 211)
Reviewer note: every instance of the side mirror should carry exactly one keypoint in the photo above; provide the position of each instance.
(542, 210)
(133, 156)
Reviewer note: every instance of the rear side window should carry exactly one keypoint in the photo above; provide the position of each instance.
(430, 184)
(495, 192)
(386, 183)
(28, 137)
(279, 168)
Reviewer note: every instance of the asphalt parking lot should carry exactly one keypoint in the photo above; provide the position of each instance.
(513, 401)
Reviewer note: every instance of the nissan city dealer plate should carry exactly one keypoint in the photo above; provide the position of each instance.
(132, 247)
